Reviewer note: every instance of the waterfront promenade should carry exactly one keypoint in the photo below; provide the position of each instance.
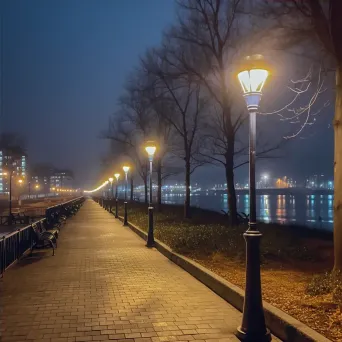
(104, 284)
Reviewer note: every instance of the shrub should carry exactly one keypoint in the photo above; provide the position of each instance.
(207, 232)
(321, 284)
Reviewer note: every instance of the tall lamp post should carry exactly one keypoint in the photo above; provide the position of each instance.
(126, 169)
(252, 77)
(117, 176)
(20, 181)
(37, 188)
(112, 193)
(111, 186)
(10, 174)
(150, 149)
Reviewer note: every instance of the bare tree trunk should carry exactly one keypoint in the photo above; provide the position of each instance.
(132, 189)
(159, 179)
(187, 213)
(338, 172)
(231, 189)
(229, 156)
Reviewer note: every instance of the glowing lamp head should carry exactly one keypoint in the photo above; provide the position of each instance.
(20, 181)
(111, 179)
(117, 176)
(252, 76)
(37, 186)
(150, 149)
(126, 168)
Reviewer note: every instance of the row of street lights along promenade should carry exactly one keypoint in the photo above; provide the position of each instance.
(150, 149)
(252, 76)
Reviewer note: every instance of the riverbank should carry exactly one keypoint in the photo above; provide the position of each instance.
(290, 256)
(33, 208)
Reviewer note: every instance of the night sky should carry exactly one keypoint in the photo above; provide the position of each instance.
(65, 63)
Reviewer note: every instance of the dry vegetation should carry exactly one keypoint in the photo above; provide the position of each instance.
(295, 260)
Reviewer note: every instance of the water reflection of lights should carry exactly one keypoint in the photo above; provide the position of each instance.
(265, 208)
(281, 207)
(300, 209)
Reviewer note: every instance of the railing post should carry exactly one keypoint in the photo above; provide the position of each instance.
(2, 255)
(5, 255)
(116, 209)
(18, 244)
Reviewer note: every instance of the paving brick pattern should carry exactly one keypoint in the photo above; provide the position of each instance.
(103, 284)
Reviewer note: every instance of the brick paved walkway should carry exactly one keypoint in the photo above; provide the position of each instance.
(104, 284)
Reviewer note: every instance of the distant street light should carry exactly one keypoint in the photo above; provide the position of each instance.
(111, 185)
(117, 176)
(126, 169)
(29, 189)
(10, 174)
(150, 149)
(252, 77)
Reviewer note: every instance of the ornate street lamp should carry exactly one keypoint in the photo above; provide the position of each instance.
(37, 187)
(252, 76)
(150, 149)
(117, 176)
(110, 179)
(126, 169)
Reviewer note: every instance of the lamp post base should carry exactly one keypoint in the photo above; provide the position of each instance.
(125, 223)
(252, 336)
(150, 235)
(253, 327)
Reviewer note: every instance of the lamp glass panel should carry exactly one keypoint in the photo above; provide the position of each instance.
(257, 79)
(150, 150)
(245, 81)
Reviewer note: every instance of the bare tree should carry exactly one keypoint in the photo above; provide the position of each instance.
(13, 143)
(211, 30)
(317, 23)
(182, 94)
(162, 132)
(126, 140)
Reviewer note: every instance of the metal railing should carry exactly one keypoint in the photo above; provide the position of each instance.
(14, 245)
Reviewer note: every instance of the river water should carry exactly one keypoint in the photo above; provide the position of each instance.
(315, 211)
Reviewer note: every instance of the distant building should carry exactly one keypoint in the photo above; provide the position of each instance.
(62, 179)
(11, 163)
(51, 179)
(319, 182)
